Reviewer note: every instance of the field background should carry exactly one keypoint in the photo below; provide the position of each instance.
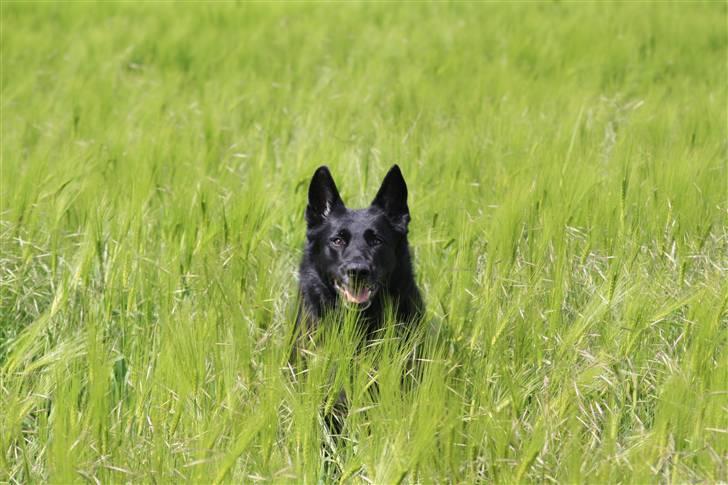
(567, 166)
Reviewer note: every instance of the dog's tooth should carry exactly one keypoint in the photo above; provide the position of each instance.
(357, 296)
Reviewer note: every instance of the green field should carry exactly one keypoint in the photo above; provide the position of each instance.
(568, 176)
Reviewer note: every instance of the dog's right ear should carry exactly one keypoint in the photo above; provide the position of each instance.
(323, 197)
(392, 198)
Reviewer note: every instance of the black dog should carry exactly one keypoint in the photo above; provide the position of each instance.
(357, 257)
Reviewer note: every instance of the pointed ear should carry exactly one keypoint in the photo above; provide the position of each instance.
(392, 198)
(323, 197)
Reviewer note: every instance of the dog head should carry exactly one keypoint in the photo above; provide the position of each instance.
(357, 250)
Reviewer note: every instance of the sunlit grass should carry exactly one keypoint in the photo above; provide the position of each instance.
(567, 168)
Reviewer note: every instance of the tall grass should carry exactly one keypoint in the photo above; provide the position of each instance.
(568, 179)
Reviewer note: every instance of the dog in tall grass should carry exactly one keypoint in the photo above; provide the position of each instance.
(356, 260)
(359, 258)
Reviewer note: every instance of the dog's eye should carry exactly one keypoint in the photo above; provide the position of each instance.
(376, 241)
(338, 242)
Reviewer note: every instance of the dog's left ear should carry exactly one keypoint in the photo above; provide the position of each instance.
(323, 197)
(392, 198)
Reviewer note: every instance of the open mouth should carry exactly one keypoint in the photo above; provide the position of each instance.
(360, 295)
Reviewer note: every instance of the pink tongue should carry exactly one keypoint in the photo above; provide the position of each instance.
(360, 297)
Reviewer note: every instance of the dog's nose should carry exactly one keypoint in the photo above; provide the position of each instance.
(358, 272)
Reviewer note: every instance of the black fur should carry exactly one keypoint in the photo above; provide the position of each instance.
(357, 254)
